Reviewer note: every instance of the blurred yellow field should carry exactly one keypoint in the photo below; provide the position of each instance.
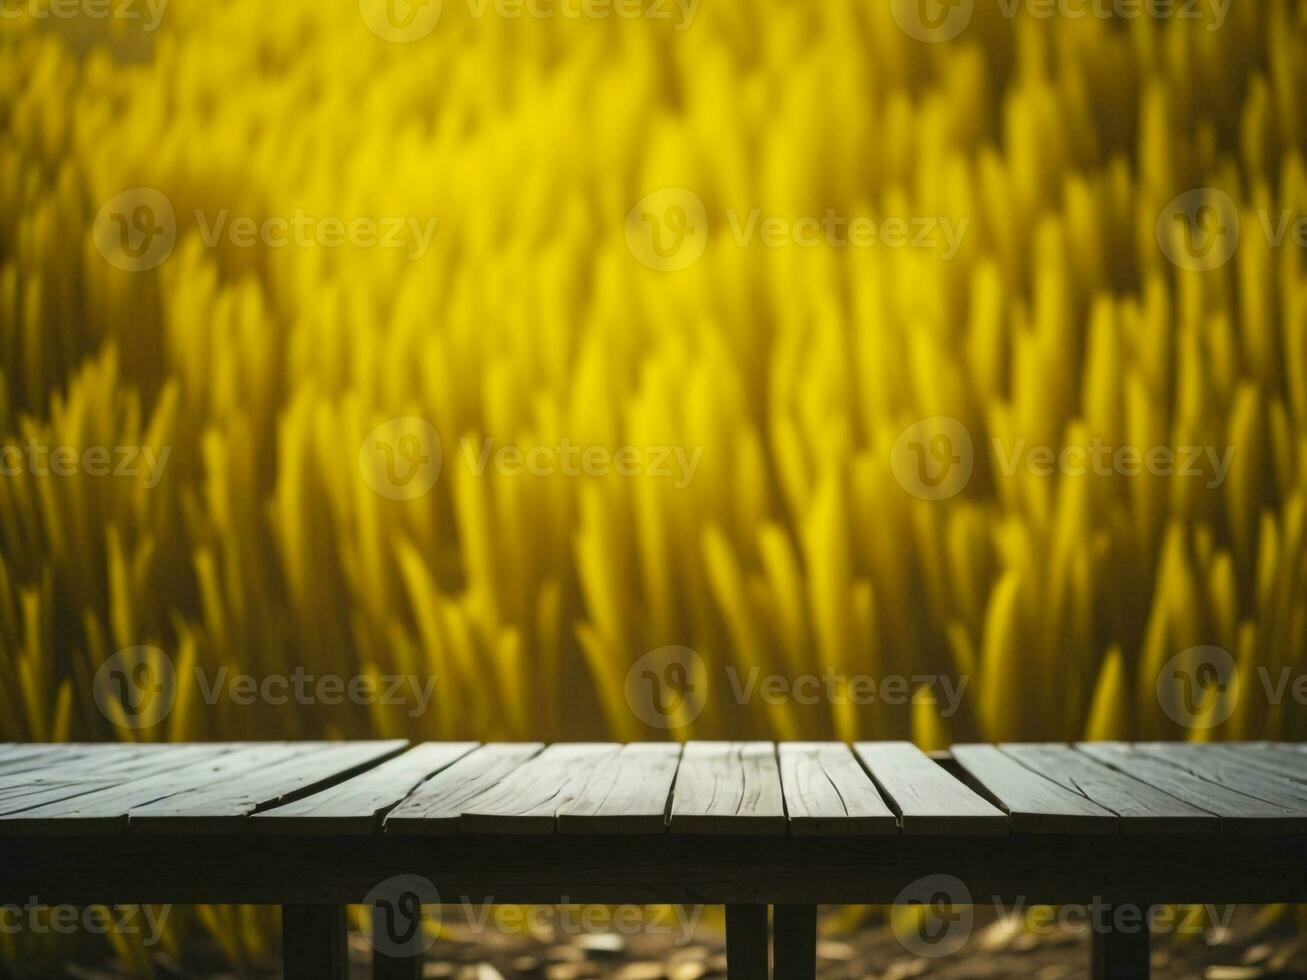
(659, 295)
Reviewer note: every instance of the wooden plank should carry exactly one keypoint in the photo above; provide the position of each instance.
(528, 799)
(436, 806)
(1238, 812)
(115, 763)
(1223, 770)
(728, 788)
(828, 792)
(746, 942)
(1141, 808)
(927, 799)
(223, 806)
(356, 805)
(90, 805)
(1279, 760)
(1033, 803)
(627, 793)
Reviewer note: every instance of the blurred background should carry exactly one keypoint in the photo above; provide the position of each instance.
(581, 366)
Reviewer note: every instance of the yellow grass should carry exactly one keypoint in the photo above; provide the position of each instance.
(530, 321)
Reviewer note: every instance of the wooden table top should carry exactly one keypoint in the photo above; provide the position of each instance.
(702, 788)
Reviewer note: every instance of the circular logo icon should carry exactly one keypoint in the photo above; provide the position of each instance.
(940, 918)
(933, 21)
(667, 687)
(1199, 230)
(136, 687)
(136, 229)
(404, 911)
(933, 458)
(1199, 688)
(668, 229)
(400, 459)
(401, 21)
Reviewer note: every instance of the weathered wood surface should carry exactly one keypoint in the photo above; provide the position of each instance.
(1033, 803)
(393, 790)
(927, 799)
(728, 788)
(1139, 807)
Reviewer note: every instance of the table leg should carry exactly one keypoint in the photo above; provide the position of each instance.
(313, 942)
(794, 941)
(746, 942)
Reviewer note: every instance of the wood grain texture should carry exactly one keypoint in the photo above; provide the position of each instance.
(728, 788)
(357, 805)
(221, 806)
(926, 798)
(1142, 809)
(627, 793)
(1231, 773)
(1034, 804)
(436, 806)
(1238, 813)
(528, 799)
(87, 805)
(828, 792)
(1280, 760)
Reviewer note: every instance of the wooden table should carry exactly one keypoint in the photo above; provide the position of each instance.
(315, 826)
